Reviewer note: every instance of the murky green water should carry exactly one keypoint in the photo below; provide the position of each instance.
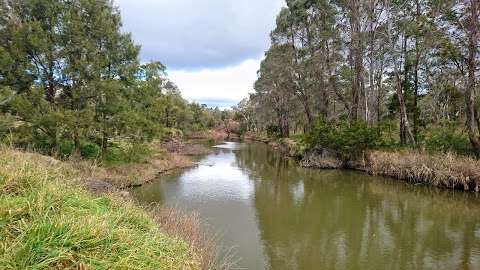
(279, 216)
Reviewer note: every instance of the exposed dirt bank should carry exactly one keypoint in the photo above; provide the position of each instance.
(188, 148)
(217, 134)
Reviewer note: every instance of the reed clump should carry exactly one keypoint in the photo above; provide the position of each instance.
(442, 170)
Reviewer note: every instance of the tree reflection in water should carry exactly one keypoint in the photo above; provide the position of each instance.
(346, 220)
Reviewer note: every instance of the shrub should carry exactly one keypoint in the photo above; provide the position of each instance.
(447, 139)
(123, 153)
(6, 125)
(90, 150)
(346, 138)
(273, 131)
(66, 148)
(173, 133)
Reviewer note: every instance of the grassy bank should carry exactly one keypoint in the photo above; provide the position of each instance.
(48, 221)
(440, 160)
(444, 170)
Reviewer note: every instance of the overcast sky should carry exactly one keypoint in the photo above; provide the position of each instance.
(212, 48)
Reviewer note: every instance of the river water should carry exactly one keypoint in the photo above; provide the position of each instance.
(276, 215)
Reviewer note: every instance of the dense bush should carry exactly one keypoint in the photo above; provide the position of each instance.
(66, 148)
(90, 150)
(345, 138)
(124, 152)
(273, 131)
(6, 125)
(173, 133)
(447, 139)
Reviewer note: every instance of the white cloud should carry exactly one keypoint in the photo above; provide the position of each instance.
(210, 47)
(195, 34)
(223, 86)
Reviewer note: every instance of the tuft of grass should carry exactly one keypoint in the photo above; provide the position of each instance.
(49, 222)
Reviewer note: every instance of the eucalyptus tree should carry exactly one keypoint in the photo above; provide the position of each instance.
(415, 58)
(292, 31)
(459, 25)
(276, 78)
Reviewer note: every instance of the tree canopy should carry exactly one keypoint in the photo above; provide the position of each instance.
(410, 62)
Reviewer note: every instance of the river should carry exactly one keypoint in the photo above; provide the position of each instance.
(276, 215)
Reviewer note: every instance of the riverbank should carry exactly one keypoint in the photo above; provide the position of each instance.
(440, 170)
(48, 220)
(76, 214)
(448, 171)
(163, 158)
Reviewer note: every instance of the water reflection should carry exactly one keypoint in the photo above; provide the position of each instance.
(281, 216)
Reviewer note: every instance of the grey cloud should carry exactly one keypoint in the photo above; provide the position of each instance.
(194, 34)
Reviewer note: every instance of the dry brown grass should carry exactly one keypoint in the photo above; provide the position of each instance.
(321, 159)
(188, 227)
(447, 170)
(441, 170)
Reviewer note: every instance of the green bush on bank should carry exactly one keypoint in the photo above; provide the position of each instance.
(6, 125)
(47, 222)
(350, 139)
(124, 152)
(447, 139)
(273, 131)
(66, 148)
(343, 137)
(90, 150)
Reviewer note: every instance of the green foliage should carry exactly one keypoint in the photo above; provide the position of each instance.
(90, 150)
(68, 71)
(66, 148)
(345, 138)
(173, 133)
(273, 131)
(6, 125)
(447, 139)
(124, 152)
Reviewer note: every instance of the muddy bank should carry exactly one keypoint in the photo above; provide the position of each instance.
(444, 171)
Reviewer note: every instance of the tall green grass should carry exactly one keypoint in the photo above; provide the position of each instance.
(49, 222)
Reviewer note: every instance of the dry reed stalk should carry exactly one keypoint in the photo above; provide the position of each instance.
(448, 170)
(188, 227)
